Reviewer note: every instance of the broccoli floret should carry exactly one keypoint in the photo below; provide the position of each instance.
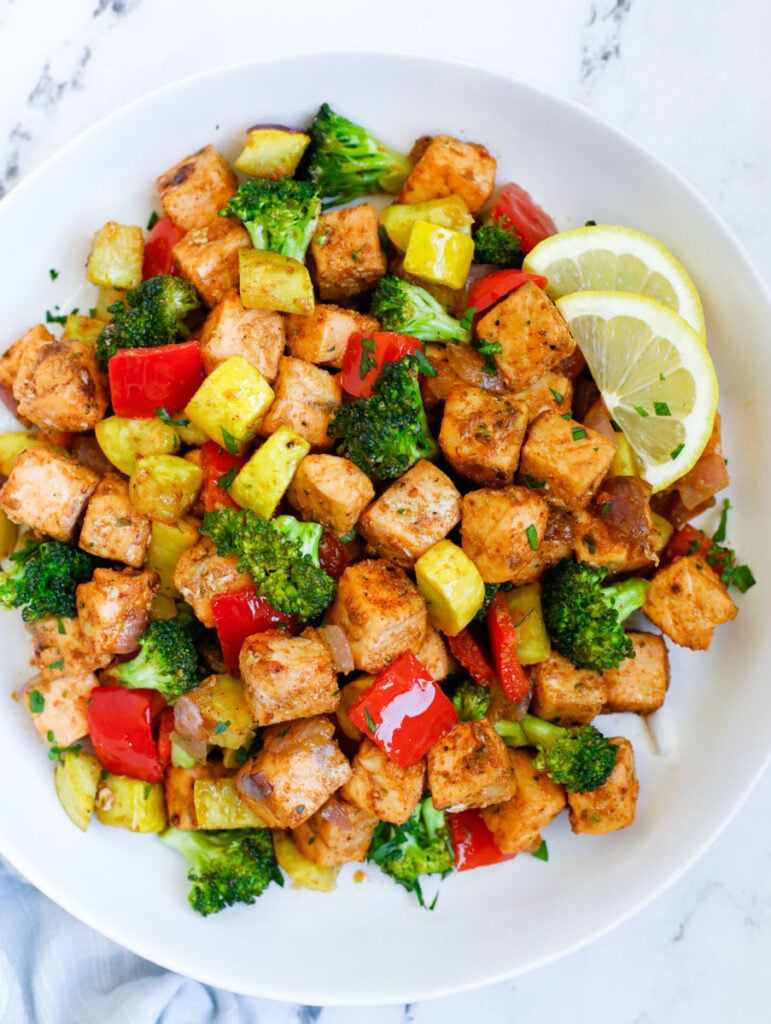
(279, 215)
(407, 308)
(153, 315)
(167, 659)
(471, 700)
(227, 866)
(419, 847)
(346, 161)
(577, 757)
(282, 555)
(387, 433)
(584, 619)
(43, 577)
(494, 244)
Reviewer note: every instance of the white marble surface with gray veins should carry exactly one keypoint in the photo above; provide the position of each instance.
(689, 79)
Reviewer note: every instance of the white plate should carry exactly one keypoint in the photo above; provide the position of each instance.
(370, 942)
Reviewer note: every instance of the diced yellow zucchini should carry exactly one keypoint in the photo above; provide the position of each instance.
(14, 443)
(165, 487)
(131, 803)
(124, 441)
(163, 607)
(269, 280)
(263, 481)
(533, 643)
(219, 710)
(76, 778)
(451, 586)
(451, 212)
(116, 256)
(9, 535)
(218, 804)
(438, 254)
(664, 527)
(82, 328)
(190, 433)
(167, 542)
(105, 298)
(272, 152)
(349, 693)
(624, 463)
(303, 872)
(230, 403)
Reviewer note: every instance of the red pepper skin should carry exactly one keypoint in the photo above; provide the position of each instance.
(499, 284)
(472, 841)
(516, 209)
(239, 615)
(120, 723)
(163, 235)
(386, 347)
(404, 712)
(143, 380)
(333, 558)
(688, 541)
(471, 656)
(216, 463)
(503, 641)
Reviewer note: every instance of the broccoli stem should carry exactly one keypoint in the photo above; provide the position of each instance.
(627, 596)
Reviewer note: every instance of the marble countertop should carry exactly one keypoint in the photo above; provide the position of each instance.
(689, 80)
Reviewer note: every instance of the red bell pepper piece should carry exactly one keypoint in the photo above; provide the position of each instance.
(120, 723)
(404, 712)
(471, 656)
(239, 615)
(498, 284)
(144, 380)
(472, 841)
(365, 356)
(689, 541)
(333, 558)
(163, 235)
(503, 641)
(517, 210)
(220, 468)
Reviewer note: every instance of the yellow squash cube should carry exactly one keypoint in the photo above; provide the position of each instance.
(9, 535)
(230, 403)
(272, 152)
(451, 586)
(524, 603)
(218, 804)
(438, 254)
(263, 481)
(219, 708)
(399, 218)
(165, 487)
(624, 463)
(269, 280)
(82, 328)
(76, 778)
(125, 440)
(167, 542)
(116, 256)
(131, 803)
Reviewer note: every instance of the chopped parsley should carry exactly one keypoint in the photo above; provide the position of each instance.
(226, 480)
(370, 721)
(676, 451)
(532, 536)
(36, 702)
(231, 445)
(559, 398)
(165, 418)
(152, 220)
(641, 412)
(53, 274)
(57, 664)
(221, 727)
(578, 433)
(661, 409)
(532, 482)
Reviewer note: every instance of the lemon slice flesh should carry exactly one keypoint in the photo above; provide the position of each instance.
(604, 257)
(654, 373)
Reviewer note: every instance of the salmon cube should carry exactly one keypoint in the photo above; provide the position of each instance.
(258, 335)
(639, 684)
(532, 334)
(598, 543)
(613, 805)
(502, 530)
(194, 190)
(481, 434)
(201, 574)
(294, 773)
(380, 787)
(380, 610)
(114, 608)
(517, 823)
(346, 253)
(414, 513)
(48, 492)
(338, 833)
(448, 167)
(208, 257)
(322, 336)
(435, 390)
(469, 767)
(330, 490)
(10, 359)
(687, 600)
(565, 694)
(568, 460)
(60, 648)
(57, 706)
(306, 400)
(552, 390)
(112, 527)
(433, 655)
(287, 677)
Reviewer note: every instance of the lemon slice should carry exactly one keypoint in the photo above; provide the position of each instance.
(654, 373)
(603, 257)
